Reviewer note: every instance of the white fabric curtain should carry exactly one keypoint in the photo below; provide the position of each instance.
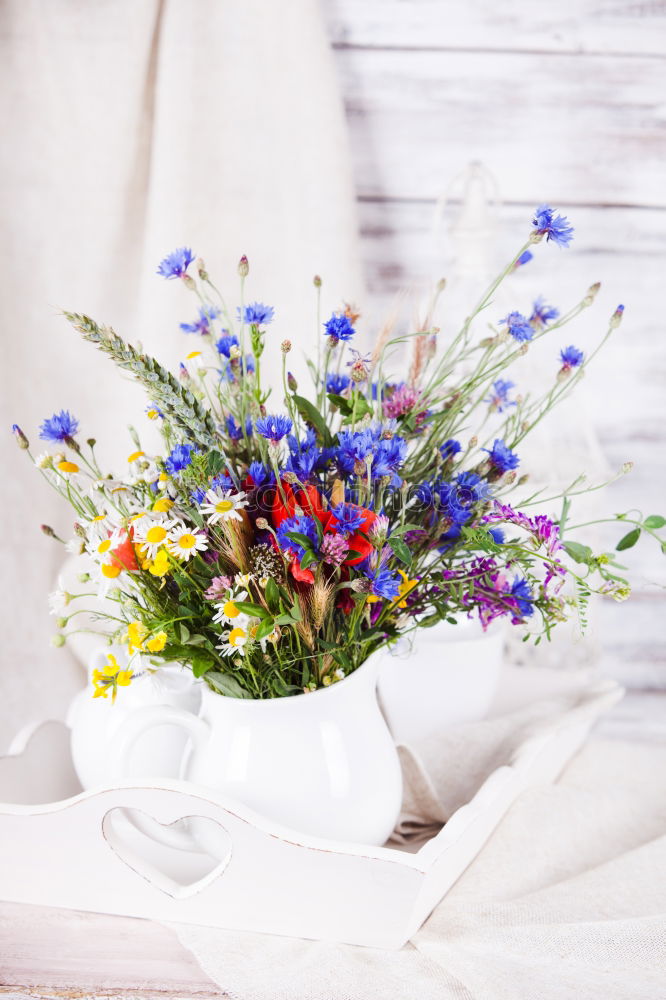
(132, 127)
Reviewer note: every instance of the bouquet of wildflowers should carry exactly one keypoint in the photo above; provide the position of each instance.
(274, 544)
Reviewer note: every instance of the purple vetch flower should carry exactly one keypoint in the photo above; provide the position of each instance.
(499, 396)
(571, 357)
(59, 427)
(339, 327)
(175, 264)
(542, 313)
(553, 227)
(334, 549)
(274, 427)
(501, 457)
(518, 326)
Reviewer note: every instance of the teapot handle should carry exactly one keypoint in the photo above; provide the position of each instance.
(125, 737)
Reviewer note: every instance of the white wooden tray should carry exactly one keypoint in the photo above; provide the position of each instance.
(81, 851)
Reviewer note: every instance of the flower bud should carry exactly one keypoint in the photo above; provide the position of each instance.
(357, 372)
(290, 477)
(510, 477)
(616, 318)
(441, 285)
(473, 441)
(535, 236)
(78, 530)
(262, 523)
(21, 439)
(262, 410)
(61, 622)
(291, 382)
(48, 531)
(627, 467)
(58, 640)
(591, 293)
(234, 352)
(523, 479)
(201, 269)
(243, 267)
(285, 346)
(189, 282)
(524, 348)
(316, 281)
(83, 577)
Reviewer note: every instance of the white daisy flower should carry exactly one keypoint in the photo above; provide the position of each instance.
(243, 579)
(152, 531)
(185, 542)
(223, 505)
(59, 599)
(227, 612)
(233, 641)
(44, 460)
(75, 547)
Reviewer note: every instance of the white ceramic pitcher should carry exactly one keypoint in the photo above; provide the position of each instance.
(323, 763)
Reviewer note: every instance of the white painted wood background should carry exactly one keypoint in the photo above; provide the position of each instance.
(564, 103)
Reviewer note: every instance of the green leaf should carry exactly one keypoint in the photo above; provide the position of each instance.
(655, 521)
(254, 610)
(628, 540)
(285, 619)
(225, 684)
(401, 549)
(200, 660)
(264, 628)
(215, 462)
(312, 416)
(296, 612)
(579, 553)
(308, 558)
(300, 539)
(402, 528)
(272, 595)
(342, 404)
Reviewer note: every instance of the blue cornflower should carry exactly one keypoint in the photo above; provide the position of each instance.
(225, 343)
(308, 442)
(518, 326)
(542, 313)
(553, 227)
(497, 535)
(257, 314)
(522, 594)
(501, 457)
(235, 431)
(59, 427)
(525, 257)
(353, 447)
(384, 583)
(337, 383)
(274, 427)
(424, 493)
(349, 518)
(201, 325)
(175, 265)
(455, 502)
(499, 397)
(179, 459)
(449, 448)
(302, 463)
(261, 476)
(571, 357)
(339, 328)
(389, 456)
(471, 487)
(304, 525)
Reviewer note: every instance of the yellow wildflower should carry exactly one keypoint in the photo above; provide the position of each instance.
(157, 643)
(136, 634)
(406, 588)
(109, 678)
(160, 564)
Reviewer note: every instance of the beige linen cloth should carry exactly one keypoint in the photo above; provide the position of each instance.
(131, 127)
(567, 900)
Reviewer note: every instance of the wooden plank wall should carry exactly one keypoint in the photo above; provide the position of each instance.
(564, 103)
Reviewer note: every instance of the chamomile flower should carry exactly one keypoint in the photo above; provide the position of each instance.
(75, 547)
(223, 505)
(184, 542)
(227, 610)
(151, 532)
(59, 599)
(233, 641)
(44, 460)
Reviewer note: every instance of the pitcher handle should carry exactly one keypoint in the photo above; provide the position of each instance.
(125, 737)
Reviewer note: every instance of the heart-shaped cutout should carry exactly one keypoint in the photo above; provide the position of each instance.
(160, 854)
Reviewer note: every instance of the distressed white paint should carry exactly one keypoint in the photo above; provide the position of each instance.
(613, 26)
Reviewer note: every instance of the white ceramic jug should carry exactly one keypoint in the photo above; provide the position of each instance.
(94, 723)
(322, 763)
